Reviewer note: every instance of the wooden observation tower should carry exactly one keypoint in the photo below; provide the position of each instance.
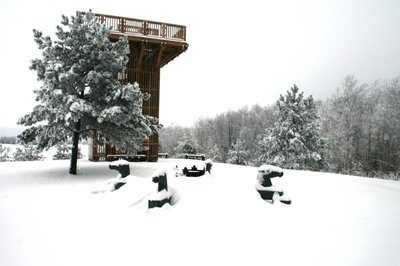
(152, 46)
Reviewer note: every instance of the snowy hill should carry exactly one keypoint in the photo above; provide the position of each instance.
(48, 217)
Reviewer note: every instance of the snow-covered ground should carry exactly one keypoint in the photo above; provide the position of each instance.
(48, 217)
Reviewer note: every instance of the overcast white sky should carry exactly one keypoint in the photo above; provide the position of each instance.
(240, 52)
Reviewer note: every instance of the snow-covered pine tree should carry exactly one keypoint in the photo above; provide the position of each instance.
(169, 137)
(238, 154)
(186, 146)
(81, 91)
(294, 142)
(63, 152)
(215, 154)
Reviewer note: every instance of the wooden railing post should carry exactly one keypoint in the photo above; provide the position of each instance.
(163, 30)
(145, 27)
(152, 28)
(122, 25)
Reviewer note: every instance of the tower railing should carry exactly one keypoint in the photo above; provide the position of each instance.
(147, 28)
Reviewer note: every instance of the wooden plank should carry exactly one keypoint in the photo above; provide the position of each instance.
(140, 57)
(159, 57)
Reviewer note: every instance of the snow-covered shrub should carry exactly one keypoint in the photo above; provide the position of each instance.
(186, 146)
(4, 153)
(392, 176)
(355, 168)
(27, 153)
(64, 152)
(215, 154)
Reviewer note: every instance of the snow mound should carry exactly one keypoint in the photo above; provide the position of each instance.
(160, 195)
(159, 172)
(270, 169)
(119, 162)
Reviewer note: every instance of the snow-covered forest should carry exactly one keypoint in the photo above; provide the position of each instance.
(360, 125)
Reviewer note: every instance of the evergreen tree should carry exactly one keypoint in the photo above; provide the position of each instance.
(81, 91)
(169, 137)
(186, 146)
(238, 154)
(294, 141)
(215, 154)
(63, 152)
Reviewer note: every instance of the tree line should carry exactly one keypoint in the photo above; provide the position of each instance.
(8, 139)
(355, 131)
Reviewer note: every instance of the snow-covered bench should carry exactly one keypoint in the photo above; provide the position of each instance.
(131, 158)
(163, 195)
(264, 185)
(195, 156)
(122, 166)
(162, 155)
(193, 171)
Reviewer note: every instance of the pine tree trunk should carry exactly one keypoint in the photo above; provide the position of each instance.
(75, 143)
